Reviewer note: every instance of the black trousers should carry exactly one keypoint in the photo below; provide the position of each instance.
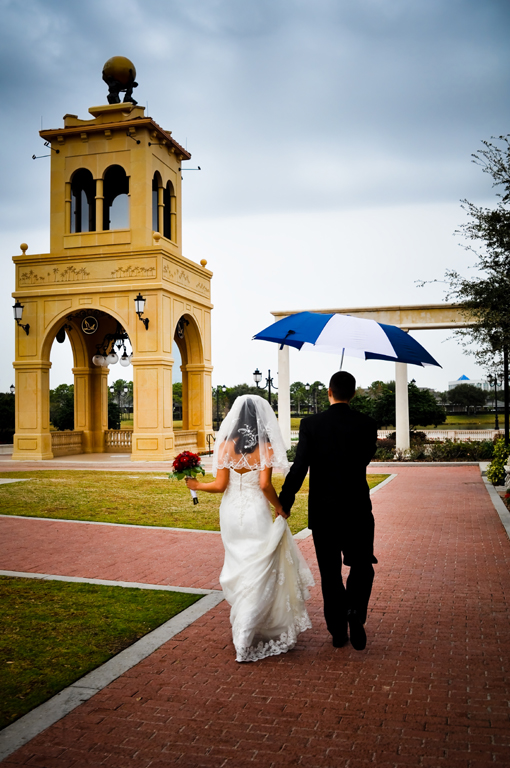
(338, 599)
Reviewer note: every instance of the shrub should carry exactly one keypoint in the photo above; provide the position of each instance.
(113, 415)
(468, 450)
(385, 450)
(496, 473)
(291, 453)
(418, 437)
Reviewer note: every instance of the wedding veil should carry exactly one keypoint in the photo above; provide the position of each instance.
(249, 437)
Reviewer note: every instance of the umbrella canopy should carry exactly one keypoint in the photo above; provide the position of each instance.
(344, 334)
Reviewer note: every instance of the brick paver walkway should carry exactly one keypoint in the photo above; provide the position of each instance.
(432, 688)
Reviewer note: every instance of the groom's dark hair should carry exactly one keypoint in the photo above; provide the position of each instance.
(342, 385)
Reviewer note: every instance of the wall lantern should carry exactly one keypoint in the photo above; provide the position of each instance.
(12, 389)
(140, 306)
(18, 314)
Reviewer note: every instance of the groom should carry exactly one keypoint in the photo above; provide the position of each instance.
(337, 445)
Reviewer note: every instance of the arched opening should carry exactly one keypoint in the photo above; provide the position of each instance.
(86, 413)
(61, 403)
(189, 343)
(116, 198)
(169, 212)
(177, 385)
(156, 185)
(83, 204)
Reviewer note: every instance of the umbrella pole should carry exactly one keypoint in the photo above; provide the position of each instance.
(342, 360)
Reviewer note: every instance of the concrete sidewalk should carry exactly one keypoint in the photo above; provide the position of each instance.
(431, 689)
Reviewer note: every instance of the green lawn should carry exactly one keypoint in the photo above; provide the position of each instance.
(453, 421)
(116, 497)
(52, 633)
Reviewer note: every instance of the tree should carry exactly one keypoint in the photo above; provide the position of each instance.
(242, 389)
(467, 395)
(362, 403)
(297, 395)
(485, 297)
(6, 417)
(123, 399)
(177, 400)
(62, 406)
(423, 407)
(113, 415)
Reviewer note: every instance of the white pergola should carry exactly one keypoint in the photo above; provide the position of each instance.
(415, 317)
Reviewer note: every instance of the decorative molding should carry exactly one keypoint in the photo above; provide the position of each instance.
(202, 288)
(68, 275)
(181, 276)
(95, 272)
(130, 271)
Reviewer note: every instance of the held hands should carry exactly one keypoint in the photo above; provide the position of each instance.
(191, 483)
(280, 512)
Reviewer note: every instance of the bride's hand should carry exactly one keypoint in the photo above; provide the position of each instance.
(279, 512)
(191, 483)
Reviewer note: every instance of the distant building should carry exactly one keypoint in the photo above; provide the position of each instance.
(480, 383)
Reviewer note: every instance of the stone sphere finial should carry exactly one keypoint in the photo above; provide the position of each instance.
(204, 263)
(24, 248)
(119, 74)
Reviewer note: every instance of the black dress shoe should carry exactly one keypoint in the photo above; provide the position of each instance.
(357, 632)
(339, 642)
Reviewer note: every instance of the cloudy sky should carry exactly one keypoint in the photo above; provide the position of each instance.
(335, 141)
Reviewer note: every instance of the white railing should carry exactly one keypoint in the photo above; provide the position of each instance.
(459, 435)
(66, 443)
(118, 440)
(185, 440)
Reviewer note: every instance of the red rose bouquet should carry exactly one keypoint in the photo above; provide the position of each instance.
(187, 464)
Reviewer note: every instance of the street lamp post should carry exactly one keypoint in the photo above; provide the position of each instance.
(314, 388)
(494, 382)
(257, 378)
(220, 388)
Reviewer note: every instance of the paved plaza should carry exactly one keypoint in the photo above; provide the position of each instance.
(431, 689)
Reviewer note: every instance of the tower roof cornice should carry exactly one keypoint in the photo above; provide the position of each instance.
(159, 135)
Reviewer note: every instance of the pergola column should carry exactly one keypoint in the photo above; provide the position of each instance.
(284, 394)
(401, 406)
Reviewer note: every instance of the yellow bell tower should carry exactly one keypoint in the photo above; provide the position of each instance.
(115, 237)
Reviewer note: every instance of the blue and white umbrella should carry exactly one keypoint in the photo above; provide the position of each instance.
(345, 334)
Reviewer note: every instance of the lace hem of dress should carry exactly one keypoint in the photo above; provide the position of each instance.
(285, 642)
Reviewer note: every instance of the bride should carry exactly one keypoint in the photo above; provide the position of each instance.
(264, 576)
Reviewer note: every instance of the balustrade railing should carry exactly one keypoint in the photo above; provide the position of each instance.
(186, 440)
(118, 440)
(460, 435)
(66, 443)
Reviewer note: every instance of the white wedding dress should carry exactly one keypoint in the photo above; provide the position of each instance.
(264, 577)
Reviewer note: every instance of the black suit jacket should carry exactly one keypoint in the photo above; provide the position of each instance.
(336, 445)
